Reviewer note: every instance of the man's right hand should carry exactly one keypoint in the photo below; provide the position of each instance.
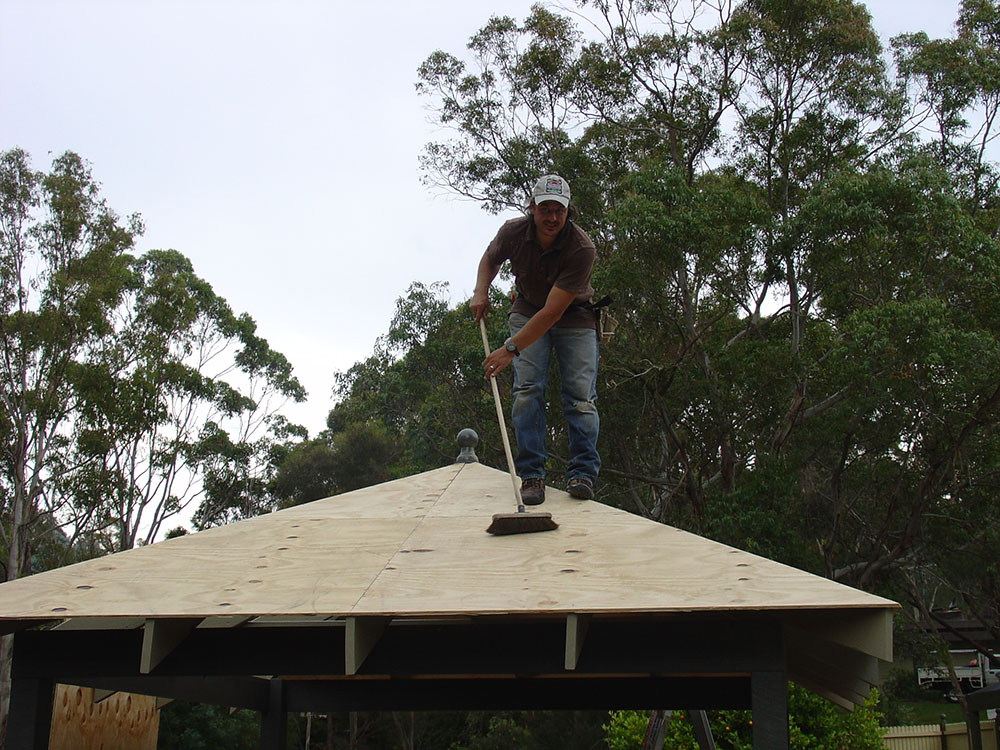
(485, 273)
(479, 305)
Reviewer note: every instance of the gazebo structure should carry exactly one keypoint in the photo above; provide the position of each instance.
(395, 597)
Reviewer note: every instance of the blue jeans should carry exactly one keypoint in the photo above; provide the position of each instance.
(576, 354)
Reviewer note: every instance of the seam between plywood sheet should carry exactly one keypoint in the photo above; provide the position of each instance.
(406, 540)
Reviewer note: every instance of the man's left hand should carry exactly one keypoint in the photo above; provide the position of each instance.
(496, 361)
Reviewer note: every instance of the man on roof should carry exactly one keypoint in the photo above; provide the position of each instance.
(551, 259)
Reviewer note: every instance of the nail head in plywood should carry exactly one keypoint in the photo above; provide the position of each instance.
(361, 636)
(160, 637)
(576, 633)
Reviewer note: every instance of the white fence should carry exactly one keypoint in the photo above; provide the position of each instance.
(929, 737)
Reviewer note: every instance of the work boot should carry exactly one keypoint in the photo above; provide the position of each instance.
(533, 491)
(581, 487)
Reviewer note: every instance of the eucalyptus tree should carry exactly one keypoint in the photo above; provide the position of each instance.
(661, 75)
(815, 102)
(955, 84)
(906, 255)
(180, 407)
(63, 269)
(507, 110)
(128, 388)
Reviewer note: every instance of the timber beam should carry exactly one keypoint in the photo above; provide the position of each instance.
(160, 637)
(361, 635)
(576, 633)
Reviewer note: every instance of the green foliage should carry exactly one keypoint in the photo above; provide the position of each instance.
(899, 695)
(813, 723)
(358, 455)
(514, 131)
(766, 514)
(528, 729)
(625, 730)
(163, 397)
(307, 472)
(502, 732)
(196, 726)
(365, 455)
(129, 389)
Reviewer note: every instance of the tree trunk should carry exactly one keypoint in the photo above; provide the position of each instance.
(956, 684)
(16, 568)
(404, 728)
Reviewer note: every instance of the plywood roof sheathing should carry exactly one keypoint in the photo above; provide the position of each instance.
(417, 547)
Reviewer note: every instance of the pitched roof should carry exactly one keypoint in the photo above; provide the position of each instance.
(417, 547)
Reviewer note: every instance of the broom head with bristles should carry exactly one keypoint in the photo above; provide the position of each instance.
(521, 523)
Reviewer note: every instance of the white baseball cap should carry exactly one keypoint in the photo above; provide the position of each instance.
(551, 187)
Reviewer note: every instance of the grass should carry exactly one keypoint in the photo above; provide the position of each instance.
(929, 712)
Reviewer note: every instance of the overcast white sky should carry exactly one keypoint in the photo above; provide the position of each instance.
(275, 144)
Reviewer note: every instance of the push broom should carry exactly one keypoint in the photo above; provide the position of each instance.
(520, 522)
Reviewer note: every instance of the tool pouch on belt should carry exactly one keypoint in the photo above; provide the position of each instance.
(606, 325)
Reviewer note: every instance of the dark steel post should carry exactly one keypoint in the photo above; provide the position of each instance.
(30, 718)
(975, 733)
(274, 719)
(702, 729)
(769, 701)
(656, 728)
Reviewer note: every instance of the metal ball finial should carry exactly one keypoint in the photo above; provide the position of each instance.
(467, 441)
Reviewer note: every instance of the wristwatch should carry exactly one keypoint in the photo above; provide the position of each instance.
(510, 346)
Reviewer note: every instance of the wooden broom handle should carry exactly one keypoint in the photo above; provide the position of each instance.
(500, 419)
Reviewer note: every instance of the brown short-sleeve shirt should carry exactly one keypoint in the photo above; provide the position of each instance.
(567, 265)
